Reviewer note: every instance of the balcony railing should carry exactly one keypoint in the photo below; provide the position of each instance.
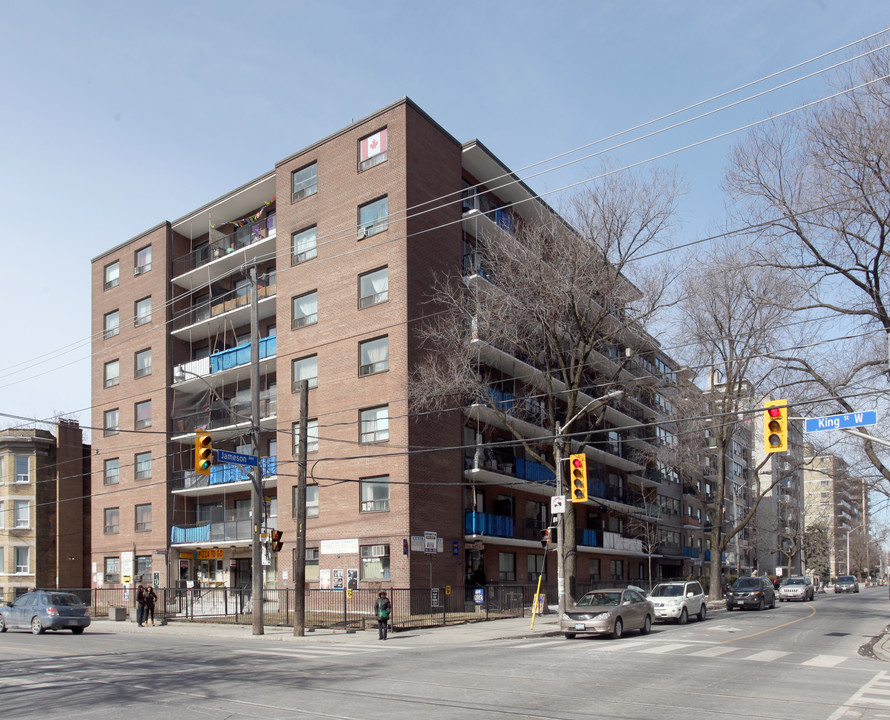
(477, 523)
(242, 237)
(241, 355)
(534, 471)
(233, 414)
(223, 474)
(218, 532)
(220, 304)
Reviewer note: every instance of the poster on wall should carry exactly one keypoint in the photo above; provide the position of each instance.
(324, 579)
(352, 579)
(337, 579)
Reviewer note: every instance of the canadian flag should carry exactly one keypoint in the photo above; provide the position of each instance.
(374, 144)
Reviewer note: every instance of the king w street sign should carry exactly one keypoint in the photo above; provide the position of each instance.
(837, 422)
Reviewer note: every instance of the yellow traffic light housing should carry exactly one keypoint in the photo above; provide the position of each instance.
(775, 426)
(203, 453)
(578, 477)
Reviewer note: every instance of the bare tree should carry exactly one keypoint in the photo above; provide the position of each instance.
(817, 184)
(559, 297)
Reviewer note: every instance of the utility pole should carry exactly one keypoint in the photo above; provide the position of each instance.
(300, 550)
(257, 494)
(560, 525)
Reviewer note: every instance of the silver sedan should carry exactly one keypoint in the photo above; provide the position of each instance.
(608, 612)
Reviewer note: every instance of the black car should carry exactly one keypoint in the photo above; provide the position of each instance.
(751, 592)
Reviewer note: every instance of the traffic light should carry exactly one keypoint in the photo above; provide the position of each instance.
(578, 479)
(203, 452)
(276, 541)
(775, 426)
(545, 538)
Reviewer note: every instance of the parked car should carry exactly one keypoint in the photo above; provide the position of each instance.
(42, 610)
(797, 588)
(846, 584)
(678, 600)
(608, 612)
(751, 592)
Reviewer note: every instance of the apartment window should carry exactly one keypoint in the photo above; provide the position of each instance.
(111, 324)
(594, 569)
(112, 569)
(304, 245)
(372, 217)
(305, 310)
(111, 471)
(372, 150)
(142, 363)
(143, 518)
(112, 521)
(112, 275)
(507, 566)
(374, 424)
(373, 356)
(535, 567)
(143, 567)
(21, 513)
(311, 564)
(142, 261)
(304, 182)
(375, 562)
(375, 494)
(305, 369)
(311, 501)
(143, 311)
(143, 465)
(143, 414)
(311, 437)
(111, 422)
(616, 569)
(112, 373)
(22, 468)
(373, 288)
(22, 561)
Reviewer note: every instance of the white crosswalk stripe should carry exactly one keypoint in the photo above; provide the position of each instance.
(660, 649)
(713, 652)
(825, 661)
(766, 656)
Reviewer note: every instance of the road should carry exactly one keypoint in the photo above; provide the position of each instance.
(797, 661)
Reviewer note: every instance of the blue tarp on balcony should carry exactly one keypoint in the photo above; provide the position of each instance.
(240, 355)
(588, 537)
(189, 534)
(476, 523)
(534, 471)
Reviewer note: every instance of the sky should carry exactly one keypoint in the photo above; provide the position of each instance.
(119, 116)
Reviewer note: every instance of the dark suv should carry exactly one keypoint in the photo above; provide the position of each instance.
(751, 592)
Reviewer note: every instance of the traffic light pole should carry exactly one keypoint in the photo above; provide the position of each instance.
(256, 587)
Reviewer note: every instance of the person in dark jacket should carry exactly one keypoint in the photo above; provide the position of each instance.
(140, 605)
(383, 611)
(151, 598)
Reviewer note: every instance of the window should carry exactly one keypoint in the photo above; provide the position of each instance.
(311, 501)
(305, 369)
(374, 424)
(507, 566)
(143, 311)
(112, 569)
(22, 468)
(111, 422)
(311, 564)
(111, 324)
(311, 437)
(21, 510)
(112, 521)
(112, 373)
(142, 260)
(535, 567)
(372, 217)
(304, 182)
(373, 288)
(2, 520)
(616, 568)
(305, 310)
(375, 494)
(594, 569)
(22, 560)
(111, 471)
(143, 567)
(373, 356)
(375, 562)
(112, 275)
(304, 245)
(143, 414)
(142, 363)
(143, 465)
(143, 518)
(372, 150)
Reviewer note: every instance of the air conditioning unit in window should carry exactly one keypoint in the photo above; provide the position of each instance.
(137, 271)
(362, 233)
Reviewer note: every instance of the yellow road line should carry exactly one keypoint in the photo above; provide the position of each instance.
(791, 622)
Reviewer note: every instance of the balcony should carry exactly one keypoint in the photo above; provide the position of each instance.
(691, 552)
(224, 478)
(231, 309)
(225, 252)
(231, 531)
(477, 523)
(227, 419)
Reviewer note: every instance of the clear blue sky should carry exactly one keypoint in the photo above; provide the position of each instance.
(120, 115)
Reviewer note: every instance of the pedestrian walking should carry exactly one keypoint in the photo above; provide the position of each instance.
(383, 611)
(151, 598)
(140, 605)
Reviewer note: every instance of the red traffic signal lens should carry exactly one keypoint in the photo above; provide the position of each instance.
(775, 412)
(576, 462)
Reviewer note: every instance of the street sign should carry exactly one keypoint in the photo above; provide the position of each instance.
(558, 504)
(836, 422)
(237, 458)
(430, 542)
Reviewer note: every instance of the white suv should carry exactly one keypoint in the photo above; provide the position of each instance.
(678, 600)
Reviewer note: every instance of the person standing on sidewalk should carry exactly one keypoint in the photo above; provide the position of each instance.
(140, 605)
(151, 598)
(383, 611)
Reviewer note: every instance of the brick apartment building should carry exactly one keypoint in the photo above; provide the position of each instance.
(44, 509)
(346, 237)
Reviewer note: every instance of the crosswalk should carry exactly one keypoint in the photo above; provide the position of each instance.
(873, 696)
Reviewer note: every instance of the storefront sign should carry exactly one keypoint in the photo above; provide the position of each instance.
(210, 554)
(343, 546)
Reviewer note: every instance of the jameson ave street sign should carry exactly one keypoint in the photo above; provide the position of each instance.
(836, 422)
(237, 458)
